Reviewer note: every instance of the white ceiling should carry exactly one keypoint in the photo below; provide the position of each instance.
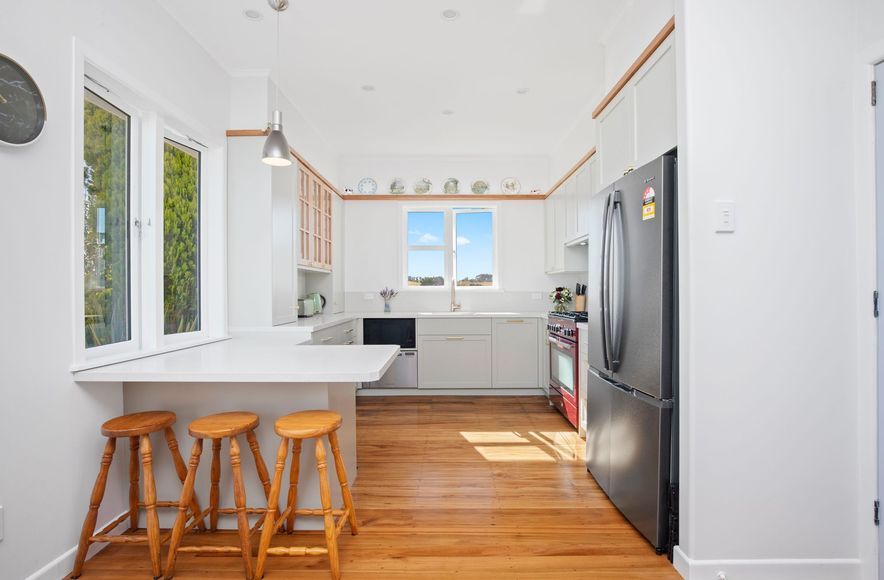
(421, 65)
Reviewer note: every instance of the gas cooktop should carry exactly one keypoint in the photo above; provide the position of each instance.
(571, 315)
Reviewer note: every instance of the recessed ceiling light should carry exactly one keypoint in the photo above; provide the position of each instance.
(368, 88)
(450, 15)
(447, 112)
(522, 91)
(252, 15)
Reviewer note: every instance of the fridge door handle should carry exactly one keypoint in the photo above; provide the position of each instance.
(616, 282)
(605, 284)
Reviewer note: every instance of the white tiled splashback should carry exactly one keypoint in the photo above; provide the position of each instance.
(436, 301)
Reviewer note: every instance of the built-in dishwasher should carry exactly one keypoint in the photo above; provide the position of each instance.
(401, 332)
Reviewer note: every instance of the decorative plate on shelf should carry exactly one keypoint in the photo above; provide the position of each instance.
(423, 186)
(452, 185)
(397, 186)
(22, 108)
(479, 186)
(510, 186)
(367, 186)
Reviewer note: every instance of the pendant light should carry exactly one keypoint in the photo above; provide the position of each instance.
(276, 147)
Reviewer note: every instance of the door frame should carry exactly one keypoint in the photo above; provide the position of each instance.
(871, 382)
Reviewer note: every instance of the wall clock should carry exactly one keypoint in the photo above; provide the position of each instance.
(22, 109)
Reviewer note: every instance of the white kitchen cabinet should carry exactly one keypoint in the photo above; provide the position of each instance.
(570, 193)
(561, 209)
(345, 333)
(337, 294)
(454, 362)
(655, 105)
(582, 193)
(617, 136)
(284, 207)
(549, 209)
(516, 356)
(639, 125)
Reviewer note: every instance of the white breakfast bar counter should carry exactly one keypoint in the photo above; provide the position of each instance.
(268, 374)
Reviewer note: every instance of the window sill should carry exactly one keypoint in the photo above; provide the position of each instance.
(109, 360)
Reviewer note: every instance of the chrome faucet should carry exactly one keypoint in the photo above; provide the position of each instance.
(454, 305)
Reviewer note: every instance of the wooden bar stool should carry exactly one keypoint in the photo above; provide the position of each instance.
(297, 427)
(137, 427)
(216, 428)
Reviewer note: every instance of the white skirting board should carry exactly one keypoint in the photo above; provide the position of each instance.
(450, 392)
(785, 569)
(63, 564)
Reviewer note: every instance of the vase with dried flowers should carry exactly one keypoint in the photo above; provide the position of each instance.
(560, 297)
(388, 294)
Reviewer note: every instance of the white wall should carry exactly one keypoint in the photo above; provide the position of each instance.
(628, 36)
(372, 258)
(531, 171)
(253, 99)
(770, 390)
(49, 426)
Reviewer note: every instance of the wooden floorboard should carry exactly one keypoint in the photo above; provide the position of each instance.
(473, 488)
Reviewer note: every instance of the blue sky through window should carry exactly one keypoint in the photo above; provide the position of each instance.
(475, 244)
(474, 238)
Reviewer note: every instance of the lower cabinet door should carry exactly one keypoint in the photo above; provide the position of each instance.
(516, 354)
(454, 362)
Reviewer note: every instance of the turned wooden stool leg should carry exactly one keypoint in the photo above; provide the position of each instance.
(239, 497)
(260, 465)
(183, 503)
(294, 475)
(150, 506)
(342, 479)
(133, 483)
(94, 503)
(216, 477)
(272, 508)
(181, 470)
(331, 539)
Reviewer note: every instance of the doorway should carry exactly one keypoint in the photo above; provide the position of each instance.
(879, 195)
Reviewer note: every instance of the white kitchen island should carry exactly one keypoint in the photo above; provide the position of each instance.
(267, 375)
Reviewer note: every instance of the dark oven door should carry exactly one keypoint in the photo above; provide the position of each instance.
(563, 381)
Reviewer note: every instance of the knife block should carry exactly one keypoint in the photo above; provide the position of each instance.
(580, 303)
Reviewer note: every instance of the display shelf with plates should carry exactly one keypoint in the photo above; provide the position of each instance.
(367, 186)
(479, 187)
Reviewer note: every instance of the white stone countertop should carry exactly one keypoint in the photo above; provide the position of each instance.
(252, 359)
(321, 321)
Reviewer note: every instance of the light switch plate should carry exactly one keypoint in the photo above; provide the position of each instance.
(725, 216)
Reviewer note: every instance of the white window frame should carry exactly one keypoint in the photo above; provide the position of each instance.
(449, 248)
(134, 343)
(183, 140)
(152, 119)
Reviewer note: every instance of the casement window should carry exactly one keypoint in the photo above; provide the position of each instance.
(457, 244)
(142, 229)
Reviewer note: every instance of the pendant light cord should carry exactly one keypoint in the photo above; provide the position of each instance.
(278, 66)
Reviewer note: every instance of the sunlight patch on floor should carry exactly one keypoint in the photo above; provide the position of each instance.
(494, 437)
(506, 453)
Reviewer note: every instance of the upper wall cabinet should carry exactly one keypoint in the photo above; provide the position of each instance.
(567, 220)
(314, 220)
(639, 124)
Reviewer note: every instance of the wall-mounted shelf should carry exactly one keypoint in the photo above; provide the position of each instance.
(448, 196)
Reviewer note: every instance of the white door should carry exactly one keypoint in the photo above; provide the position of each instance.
(879, 179)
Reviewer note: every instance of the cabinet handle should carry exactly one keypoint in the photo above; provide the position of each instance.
(515, 321)
(349, 330)
(349, 342)
(454, 338)
(326, 339)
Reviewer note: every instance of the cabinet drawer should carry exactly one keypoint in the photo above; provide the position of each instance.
(453, 326)
(344, 333)
(454, 362)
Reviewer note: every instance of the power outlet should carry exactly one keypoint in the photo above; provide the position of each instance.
(1, 523)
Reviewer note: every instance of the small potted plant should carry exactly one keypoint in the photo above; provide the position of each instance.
(388, 294)
(560, 297)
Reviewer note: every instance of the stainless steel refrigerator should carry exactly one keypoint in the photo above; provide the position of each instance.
(632, 387)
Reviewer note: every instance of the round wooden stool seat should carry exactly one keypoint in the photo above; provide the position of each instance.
(223, 425)
(307, 424)
(136, 424)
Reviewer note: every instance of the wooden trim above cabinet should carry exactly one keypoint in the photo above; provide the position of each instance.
(571, 172)
(295, 154)
(642, 59)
